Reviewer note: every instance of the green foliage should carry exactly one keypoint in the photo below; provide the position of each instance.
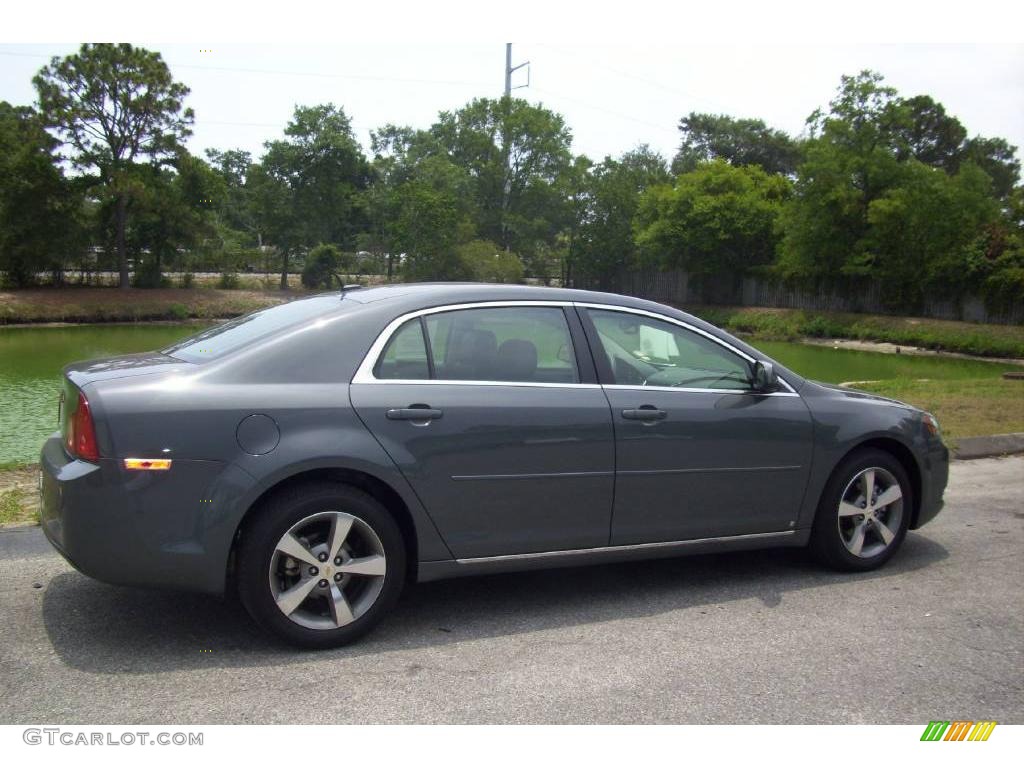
(486, 262)
(309, 187)
(948, 335)
(737, 141)
(40, 209)
(717, 218)
(114, 106)
(609, 198)
(323, 264)
(178, 311)
(227, 281)
(888, 191)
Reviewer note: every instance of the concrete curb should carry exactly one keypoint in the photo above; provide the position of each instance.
(991, 445)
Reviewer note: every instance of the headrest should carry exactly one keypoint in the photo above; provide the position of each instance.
(517, 361)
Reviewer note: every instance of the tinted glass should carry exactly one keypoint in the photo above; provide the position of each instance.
(234, 334)
(528, 344)
(649, 352)
(405, 356)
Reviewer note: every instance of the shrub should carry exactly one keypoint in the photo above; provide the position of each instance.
(228, 281)
(322, 266)
(178, 311)
(187, 280)
(486, 262)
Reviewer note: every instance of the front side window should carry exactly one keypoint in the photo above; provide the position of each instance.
(513, 344)
(647, 352)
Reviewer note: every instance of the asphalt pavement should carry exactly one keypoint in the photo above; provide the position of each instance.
(763, 637)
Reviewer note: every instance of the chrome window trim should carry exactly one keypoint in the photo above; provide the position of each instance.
(364, 373)
(700, 331)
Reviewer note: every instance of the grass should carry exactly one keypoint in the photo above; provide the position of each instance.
(945, 335)
(98, 305)
(19, 502)
(964, 407)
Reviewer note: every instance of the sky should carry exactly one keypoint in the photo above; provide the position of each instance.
(613, 96)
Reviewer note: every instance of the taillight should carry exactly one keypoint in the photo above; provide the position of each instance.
(80, 439)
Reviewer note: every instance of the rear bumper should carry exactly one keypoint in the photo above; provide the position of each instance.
(149, 529)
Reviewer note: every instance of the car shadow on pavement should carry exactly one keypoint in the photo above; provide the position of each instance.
(105, 629)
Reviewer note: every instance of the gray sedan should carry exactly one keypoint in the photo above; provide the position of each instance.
(319, 455)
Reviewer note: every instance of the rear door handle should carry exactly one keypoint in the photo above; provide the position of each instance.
(414, 413)
(644, 413)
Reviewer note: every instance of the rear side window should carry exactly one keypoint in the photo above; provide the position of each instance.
(235, 334)
(405, 356)
(513, 344)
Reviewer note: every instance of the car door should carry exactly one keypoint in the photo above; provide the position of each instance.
(494, 415)
(698, 453)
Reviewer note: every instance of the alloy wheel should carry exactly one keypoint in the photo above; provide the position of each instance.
(327, 570)
(870, 512)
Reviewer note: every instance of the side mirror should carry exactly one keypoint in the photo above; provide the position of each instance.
(763, 377)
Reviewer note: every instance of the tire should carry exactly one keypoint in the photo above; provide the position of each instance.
(291, 586)
(843, 510)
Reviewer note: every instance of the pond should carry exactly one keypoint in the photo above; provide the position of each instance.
(31, 360)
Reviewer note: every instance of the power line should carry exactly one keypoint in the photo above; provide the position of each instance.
(673, 130)
(632, 76)
(292, 73)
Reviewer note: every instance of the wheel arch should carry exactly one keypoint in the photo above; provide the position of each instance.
(364, 481)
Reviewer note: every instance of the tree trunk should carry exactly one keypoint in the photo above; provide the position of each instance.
(120, 216)
(284, 269)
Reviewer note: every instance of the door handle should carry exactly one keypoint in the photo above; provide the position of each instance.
(644, 413)
(414, 413)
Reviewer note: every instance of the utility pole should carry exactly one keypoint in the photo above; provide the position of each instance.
(507, 190)
(509, 69)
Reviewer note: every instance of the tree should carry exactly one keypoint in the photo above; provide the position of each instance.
(851, 159)
(929, 233)
(486, 262)
(929, 135)
(432, 216)
(317, 174)
(39, 207)
(515, 153)
(716, 219)
(605, 239)
(235, 204)
(997, 158)
(114, 106)
(738, 141)
(172, 210)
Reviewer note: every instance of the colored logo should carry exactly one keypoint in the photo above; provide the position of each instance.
(958, 730)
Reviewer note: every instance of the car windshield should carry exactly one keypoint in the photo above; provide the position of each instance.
(234, 334)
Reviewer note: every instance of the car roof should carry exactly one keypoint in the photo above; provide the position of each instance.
(435, 294)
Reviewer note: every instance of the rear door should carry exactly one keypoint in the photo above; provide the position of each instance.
(494, 415)
(699, 453)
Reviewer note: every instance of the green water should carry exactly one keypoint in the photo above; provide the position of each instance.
(31, 360)
(30, 363)
(838, 365)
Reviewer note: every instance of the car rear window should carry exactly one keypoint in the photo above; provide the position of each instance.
(235, 334)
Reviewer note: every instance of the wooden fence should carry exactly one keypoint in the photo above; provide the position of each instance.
(679, 288)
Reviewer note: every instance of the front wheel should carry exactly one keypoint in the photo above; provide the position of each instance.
(864, 512)
(321, 565)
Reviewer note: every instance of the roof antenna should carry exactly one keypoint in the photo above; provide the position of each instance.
(349, 287)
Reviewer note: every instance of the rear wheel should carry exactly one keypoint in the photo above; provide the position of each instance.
(864, 512)
(321, 565)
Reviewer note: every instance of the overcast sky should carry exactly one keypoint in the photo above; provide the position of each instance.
(612, 96)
